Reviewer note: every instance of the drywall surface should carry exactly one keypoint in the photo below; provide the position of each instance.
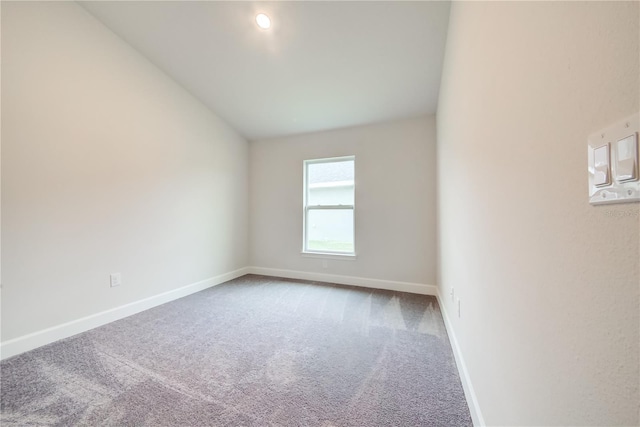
(548, 284)
(107, 166)
(395, 233)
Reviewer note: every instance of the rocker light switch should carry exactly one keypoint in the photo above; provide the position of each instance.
(601, 175)
(627, 159)
(613, 165)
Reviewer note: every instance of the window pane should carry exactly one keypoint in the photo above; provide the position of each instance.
(330, 230)
(330, 183)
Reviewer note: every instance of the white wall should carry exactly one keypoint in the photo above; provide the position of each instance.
(548, 284)
(395, 200)
(107, 166)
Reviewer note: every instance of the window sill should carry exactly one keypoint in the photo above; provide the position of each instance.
(325, 255)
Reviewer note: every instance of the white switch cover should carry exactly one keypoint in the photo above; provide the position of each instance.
(613, 163)
(626, 153)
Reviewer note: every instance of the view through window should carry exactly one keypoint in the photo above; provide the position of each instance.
(329, 197)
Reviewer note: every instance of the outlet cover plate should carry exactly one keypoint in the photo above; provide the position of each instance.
(115, 279)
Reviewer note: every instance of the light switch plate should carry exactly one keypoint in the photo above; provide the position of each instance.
(616, 145)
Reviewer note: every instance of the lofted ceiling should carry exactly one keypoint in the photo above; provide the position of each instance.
(321, 65)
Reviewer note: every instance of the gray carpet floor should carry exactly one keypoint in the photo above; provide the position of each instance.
(255, 351)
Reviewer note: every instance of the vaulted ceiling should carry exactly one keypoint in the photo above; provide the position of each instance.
(321, 65)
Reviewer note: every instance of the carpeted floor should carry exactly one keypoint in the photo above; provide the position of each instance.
(255, 351)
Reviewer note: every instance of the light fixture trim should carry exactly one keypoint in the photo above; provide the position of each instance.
(263, 21)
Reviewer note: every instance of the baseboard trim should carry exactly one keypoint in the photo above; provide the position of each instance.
(470, 394)
(46, 336)
(414, 288)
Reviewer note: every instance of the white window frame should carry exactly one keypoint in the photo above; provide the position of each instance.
(307, 207)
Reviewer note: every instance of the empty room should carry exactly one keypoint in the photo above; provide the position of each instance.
(320, 213)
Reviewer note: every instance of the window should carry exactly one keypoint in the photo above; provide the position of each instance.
(329, 199)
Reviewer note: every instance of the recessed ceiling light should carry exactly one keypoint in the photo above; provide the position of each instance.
(263, 21)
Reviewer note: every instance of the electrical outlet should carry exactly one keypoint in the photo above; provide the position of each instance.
(115, 279)
(452, 294)
(458, 307)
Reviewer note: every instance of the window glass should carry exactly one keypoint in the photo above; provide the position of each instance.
(329, 205)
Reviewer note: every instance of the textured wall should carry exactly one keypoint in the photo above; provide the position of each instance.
(107, 166)
(395, 200)
(548, 284)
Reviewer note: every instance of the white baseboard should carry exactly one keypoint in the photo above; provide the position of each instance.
(46, 336)
(470, 394)
(65, 330)
(414, 288)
